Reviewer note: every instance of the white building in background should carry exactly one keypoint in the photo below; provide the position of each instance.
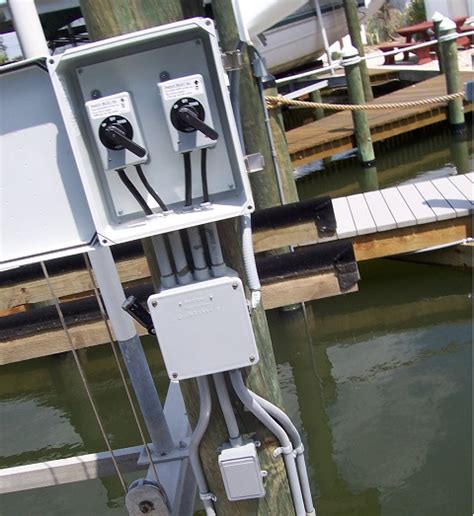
(449, 8)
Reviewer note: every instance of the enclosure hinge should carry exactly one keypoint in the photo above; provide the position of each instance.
(232, 60)
(254, 162)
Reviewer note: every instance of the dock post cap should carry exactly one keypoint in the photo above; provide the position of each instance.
(437, 17)
(350, 55)
(446, 25)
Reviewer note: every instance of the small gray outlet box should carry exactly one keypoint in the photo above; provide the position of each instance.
(204, 328)
(241, 473)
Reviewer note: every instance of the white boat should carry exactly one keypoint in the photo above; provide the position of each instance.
(286, 32)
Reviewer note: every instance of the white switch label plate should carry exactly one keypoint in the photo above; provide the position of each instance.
(187, 87)
(102, 108)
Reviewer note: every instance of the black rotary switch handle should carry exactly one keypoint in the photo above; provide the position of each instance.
(116, 135)
(189, 118)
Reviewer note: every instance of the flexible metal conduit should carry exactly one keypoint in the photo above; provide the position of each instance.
(294, 435)
(167, 276)
(227, 410)
(286, 447)
(249, 259)
(196, 437)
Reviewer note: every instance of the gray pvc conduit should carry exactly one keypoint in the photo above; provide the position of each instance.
(167, 275)
(201, 270)
(227, 409)
(249, 259)
(203, 421)
(286, 447)
(288, 425)
(218, 266)
(181, 264)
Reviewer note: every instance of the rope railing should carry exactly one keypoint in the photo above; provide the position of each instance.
(278, 101)
(319, 71)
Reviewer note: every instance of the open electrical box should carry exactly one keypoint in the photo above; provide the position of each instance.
(151, 126)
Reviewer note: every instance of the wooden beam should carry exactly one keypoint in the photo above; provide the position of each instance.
(299, 234)
(406, 240)
(298, 290)
(290, 291)
(66, 471)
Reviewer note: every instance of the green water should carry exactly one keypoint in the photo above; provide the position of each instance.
(378, 381)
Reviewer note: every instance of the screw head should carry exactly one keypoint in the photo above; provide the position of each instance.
(252, 358)
(164, 75)
(154, 304)
(146, 506)
(235, 286)
(175, 375)
(96, 94)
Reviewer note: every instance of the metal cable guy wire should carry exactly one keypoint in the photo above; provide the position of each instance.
(119, 366)
(83, 376)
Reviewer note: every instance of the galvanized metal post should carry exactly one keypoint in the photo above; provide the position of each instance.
(437, 18)
(350, 62)
(132, 349)
(449, 52)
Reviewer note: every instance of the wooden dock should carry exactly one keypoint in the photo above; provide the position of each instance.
(375, 224)
(334, 133)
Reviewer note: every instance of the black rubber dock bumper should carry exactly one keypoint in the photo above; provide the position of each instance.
(318, 210)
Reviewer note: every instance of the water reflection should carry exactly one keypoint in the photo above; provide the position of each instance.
(381, 385)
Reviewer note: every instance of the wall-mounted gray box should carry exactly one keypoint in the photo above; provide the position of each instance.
(136, 63)
(241, 473)
(204, 328)
(44, 213)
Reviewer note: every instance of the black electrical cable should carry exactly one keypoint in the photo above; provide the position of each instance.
(136, 194)
(188, 181)
(149, 188)
(205, 188)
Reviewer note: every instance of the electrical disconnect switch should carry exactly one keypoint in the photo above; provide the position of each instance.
(116, 131)
(241, 473)
(188, 115)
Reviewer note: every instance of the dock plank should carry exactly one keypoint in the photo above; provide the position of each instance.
(379, 210)
(441, 207)
(361, 215)
(345, 224)
(463, 183)
(335, 132)
(423, 213)
(460, 205)
(398, 208)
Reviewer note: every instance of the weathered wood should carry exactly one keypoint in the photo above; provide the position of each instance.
(334, 133)
(459, 256)
(66, 471)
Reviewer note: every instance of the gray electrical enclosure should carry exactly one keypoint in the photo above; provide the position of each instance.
(154, 68)
(241, 474)
(204, 328)
(44, 212)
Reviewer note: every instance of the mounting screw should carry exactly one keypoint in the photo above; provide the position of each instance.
(235, 286)
(96, 94)
(175, 375)
(164, 76)
(252, 358)
(182, 445)
(146, 506)
(154, 304)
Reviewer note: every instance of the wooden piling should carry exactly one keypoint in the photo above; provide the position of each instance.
(437, 18)
(112, 17)
(353, 25)
(365, 149)
(449, 52)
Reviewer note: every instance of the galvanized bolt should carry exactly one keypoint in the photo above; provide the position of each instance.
(146, 506)
(235, 286)
(175, 375)
(252, 358)
(154, 304)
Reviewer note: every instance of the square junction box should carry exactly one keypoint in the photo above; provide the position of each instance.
(117, 97)
(204, 328)
(241, 473)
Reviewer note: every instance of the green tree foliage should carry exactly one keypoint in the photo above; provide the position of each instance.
(3, 52)
(415, 12)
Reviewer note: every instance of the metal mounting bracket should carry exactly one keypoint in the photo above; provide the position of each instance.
(177, 454)
(232, 60)
(254, 162)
